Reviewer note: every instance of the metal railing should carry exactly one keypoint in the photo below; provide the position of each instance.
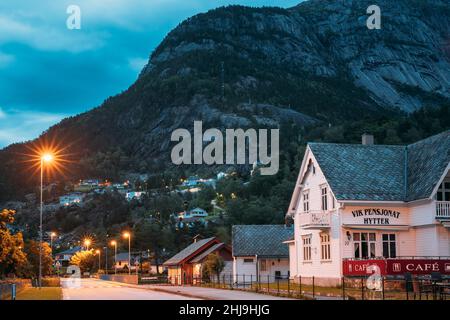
(349, 288)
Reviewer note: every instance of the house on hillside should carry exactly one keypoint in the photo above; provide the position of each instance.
(186, 266)
(71, 199)
(259, 252)
(134, 195)
(359, 205)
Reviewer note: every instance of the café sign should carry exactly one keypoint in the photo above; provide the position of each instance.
(377, 216)
(397, 266)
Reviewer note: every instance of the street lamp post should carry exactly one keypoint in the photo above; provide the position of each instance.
(52, 235)
(106, 259)
(99, 259)
(114, 243)
(45, 158)
(128, 235)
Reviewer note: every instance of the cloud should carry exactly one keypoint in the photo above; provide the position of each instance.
(46, 37)
(5, 59)
(21, 126)
(45, 66)
(137, 64)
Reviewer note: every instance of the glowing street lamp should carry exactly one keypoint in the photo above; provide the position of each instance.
(45, 158)
(114, 243)
(52, 235)
(99, 257)
(127, 235)
(87, 243)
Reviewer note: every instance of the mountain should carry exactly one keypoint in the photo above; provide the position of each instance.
(313, 64)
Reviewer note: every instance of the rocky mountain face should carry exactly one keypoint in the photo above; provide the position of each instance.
(262, 67)
(402, 65)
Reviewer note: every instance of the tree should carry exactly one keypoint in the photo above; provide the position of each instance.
(31, 269)
(12, 257)
(85, 260)
(214, 264)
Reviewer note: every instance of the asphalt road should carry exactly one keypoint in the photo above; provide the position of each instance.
(94, 289)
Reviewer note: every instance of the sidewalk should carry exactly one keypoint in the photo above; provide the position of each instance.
(213, 294)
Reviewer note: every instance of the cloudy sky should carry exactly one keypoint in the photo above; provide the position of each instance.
(48, 72)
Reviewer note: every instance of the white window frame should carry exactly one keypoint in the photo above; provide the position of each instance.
(307, 247)
(305, 197)
(324, 197)
(442, 190)
(369, 244)
(389, 241)
(325, 246)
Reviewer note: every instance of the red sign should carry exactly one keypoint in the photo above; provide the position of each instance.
(396, 266)
(359, 267)
(418, 266)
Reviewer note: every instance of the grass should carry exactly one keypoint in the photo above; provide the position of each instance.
(45, 293)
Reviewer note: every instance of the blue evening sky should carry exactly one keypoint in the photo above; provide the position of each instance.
(48, 72)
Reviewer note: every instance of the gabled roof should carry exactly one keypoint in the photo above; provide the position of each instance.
(383, 172)
(186, 253)
(427, 161)
(207, 252)
(261, 240)
(361, 172)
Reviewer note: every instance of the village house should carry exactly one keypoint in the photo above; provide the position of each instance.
(62, 259)
(121, 261)
(135, 195)
(71, 199)
(383, 206)
(186, 267)
(259, 252)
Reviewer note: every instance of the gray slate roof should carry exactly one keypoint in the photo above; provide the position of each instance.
(261, 240)
(203, 255)
(384, 172)
(180, 256)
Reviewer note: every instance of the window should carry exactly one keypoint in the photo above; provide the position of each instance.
(307, 248)
(263, 265)
(306, 201)
(250, 260)
(364, 245)
(325, 246)
(324, 198)
(389, 246)
(443, 193)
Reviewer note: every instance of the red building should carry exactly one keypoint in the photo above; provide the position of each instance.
(187, 265)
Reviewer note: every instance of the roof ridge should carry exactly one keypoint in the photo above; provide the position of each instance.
(429, 138)
(359, 144)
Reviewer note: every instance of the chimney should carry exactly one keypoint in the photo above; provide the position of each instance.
(367, 139)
